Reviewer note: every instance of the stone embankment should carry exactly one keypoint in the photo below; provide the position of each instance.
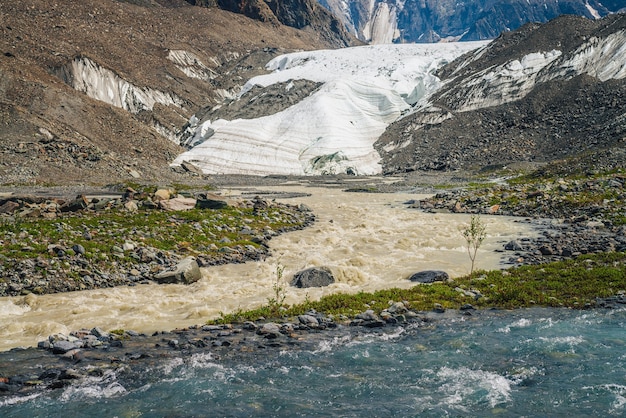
(59, 245)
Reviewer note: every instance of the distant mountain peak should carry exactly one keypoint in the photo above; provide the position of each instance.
(400, 21)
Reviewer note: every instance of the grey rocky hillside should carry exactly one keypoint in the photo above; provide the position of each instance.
(542, 93)
(97, 92)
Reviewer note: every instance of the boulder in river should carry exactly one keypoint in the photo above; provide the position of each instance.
(513, 246)
(313, 277)
(187, 271)
(429, 276)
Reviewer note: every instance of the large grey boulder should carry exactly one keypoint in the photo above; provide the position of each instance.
(429, 276)
(513, 246)
(211, 201)
(269, 330)
(187, 271)
(62, 347)
(313, 277)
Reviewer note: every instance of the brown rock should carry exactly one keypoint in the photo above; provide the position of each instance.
(178, 203)
(187, 271)
(9, 207)
(162, 194)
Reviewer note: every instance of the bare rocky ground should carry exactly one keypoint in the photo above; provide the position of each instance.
(562, 119)
(51, 134)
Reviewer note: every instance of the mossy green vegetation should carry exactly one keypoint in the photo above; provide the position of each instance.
(572, 283)
(543, 194)
(102, 235)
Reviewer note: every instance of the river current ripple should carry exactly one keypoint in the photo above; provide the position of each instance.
(528, 362)
(369, 241)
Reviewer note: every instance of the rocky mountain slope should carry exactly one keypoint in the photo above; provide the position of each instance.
(103, 91)
(542, 93)
(384, 21)
(299, 14)
(97, 91)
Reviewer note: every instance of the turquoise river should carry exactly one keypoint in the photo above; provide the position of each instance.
(522, 363)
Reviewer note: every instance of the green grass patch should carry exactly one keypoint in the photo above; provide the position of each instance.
(573, 283)
(190, 232)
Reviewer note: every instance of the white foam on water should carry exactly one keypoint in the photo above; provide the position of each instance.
(13, 309)
(521, 323)
(16, 400)
(462, 383)
(548, 322)
(202, 360)
(374, 338)
(167, 367)
(105, 386)
(327, 345)
(568, 340)
(618, 406)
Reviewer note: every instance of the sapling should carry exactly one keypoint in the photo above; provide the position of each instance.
(280, 293)
(474, 235)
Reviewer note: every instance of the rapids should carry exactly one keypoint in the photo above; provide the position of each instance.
(369, 240)
(494, 363)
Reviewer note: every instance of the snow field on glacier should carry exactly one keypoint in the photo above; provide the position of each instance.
(333, 130)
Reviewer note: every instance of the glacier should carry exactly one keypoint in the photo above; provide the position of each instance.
(333, 130)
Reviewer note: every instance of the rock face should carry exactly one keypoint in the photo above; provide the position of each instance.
(313, 277)
(297, 14)
(542, 93)
(384, 21)
(186, 272)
